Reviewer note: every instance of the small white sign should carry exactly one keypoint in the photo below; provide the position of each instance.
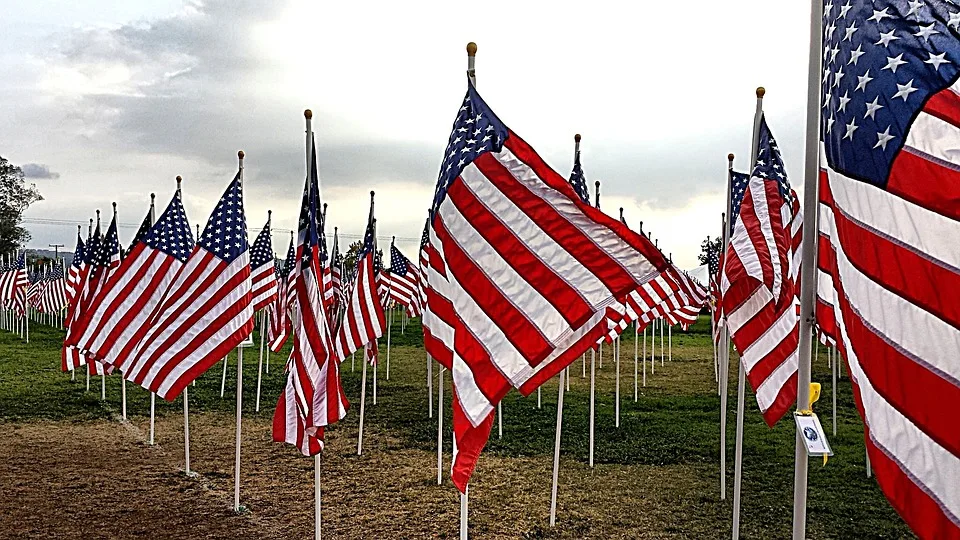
(813, 435)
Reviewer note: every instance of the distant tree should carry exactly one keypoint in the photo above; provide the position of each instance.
(15, 197)
(350, 258)
(710, 252)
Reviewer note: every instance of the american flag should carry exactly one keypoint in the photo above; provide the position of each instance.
(144, 229)
(521, 272)
(35, 290)
(280, 320)
(404, 282)
(13, 284)
(578, 181)
(265, 287)
(71, 356)
(336, 276)
(102, 262)
(313, 373)
(364, 319)
(53, 296)
(278, 326)
(758, 282)
(328, 296)
(73, 275)
(889, 256)
(208, 308)
(115, 322)
(695, 296)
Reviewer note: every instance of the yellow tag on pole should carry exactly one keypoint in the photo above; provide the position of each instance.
(808, 412)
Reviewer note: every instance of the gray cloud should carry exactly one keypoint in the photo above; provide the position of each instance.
(39, 170)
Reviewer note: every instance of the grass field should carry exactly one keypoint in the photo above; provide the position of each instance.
(73, 470)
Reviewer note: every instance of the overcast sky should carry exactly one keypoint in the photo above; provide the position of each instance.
(109, 101)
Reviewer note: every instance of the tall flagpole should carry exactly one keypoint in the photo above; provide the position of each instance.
(308, 144)
(263, 324)
(153, 395)
(236, 471)
(724, 351)
(87, 360)
(472, 75)
(809, 257)
(186, 399)
(741, 372)
(440, 427)
(363, 359)
(556, 451)
(390, 319)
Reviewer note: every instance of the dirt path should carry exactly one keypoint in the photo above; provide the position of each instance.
(99, 480)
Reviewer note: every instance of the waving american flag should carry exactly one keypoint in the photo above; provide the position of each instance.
(889, 256)
(208, 308)
(521, 271)
(262, 274)
(404, 283)
(117, 320)
(313, 397)
(759, 281)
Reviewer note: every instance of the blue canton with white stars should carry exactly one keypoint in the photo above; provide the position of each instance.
(171, 233)
(226, 232)
(738, 188)
(881, 61)
(290, 260)
(578, 181)
(309, 225)
(141, 232)
(78, 254)
(475, 131)
(21, 261)
(769, 164)
(398, 263)
(108, 247)
(367, 246)
(262, 251)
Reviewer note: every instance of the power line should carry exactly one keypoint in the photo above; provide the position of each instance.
(122, 225)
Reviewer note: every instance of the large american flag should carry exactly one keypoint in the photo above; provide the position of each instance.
(404, 282)
(889, 254)
(265, 287)
(115, 322)
(313, 397)
(207, 309)
(759, 280)
(35, 290)
(521, 272)
(364, 319)
(13, 284)
(336, 276)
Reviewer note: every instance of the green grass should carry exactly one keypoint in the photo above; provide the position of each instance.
(675, 422)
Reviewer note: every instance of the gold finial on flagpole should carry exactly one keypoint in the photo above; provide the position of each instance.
(308, 114)
(471, 49)
(760, 92)
(576, 138)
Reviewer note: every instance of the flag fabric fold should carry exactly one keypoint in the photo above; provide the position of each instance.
(888, 257)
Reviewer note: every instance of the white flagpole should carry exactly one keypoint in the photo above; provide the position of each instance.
(583, 365)
(725, 353)
(643, 359)
(670, 343)
(636, 378)
(377, 363)
(236, 472)
(429, 385)
(556, 452)
(389, 322)
(499, 418)
(653, 346)
(539, 403)
(600, 355)
(662, 324)
(616, 354)
(153, 396)
(836, 358)
(263, 320)
(463, 512)
(186, 432)
(223, 379)
(741, 372)
(593, 391)
(811, 178)
(471, 73)
(353, 360)
(103, 385)
(363, 360)
(440, 427)
(316, 495)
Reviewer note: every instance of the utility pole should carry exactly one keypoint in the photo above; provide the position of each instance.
(56, 250)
